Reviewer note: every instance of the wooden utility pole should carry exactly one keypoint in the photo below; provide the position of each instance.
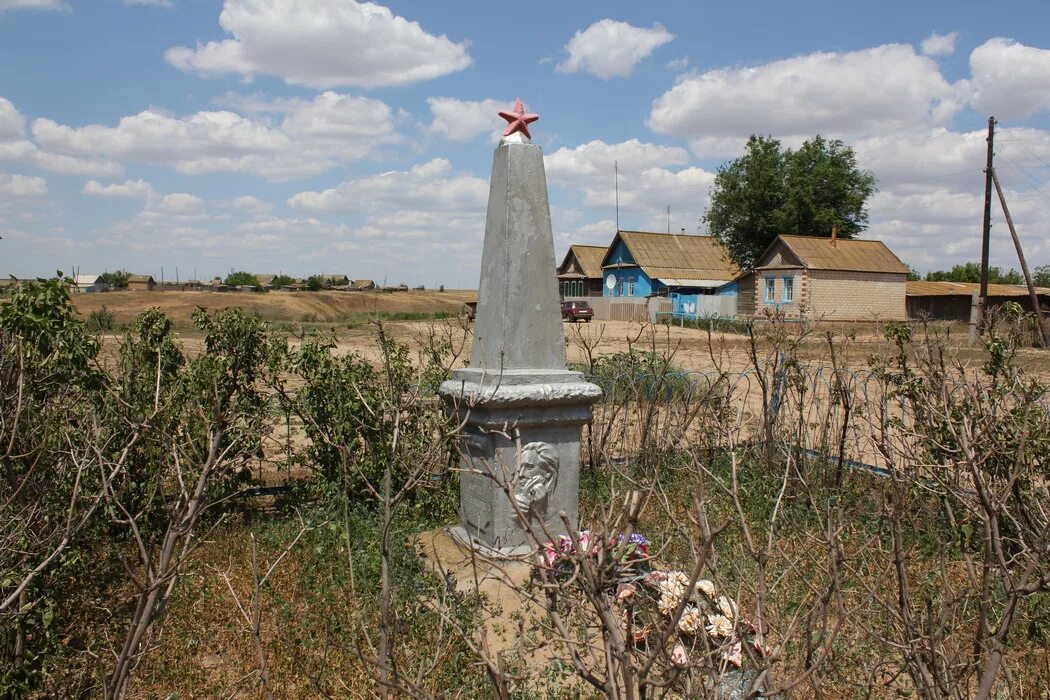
(987, 230)
(1044, 330)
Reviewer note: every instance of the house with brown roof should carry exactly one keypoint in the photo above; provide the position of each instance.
(580, 272)
(643, 264)
(141, 283)
(828, 278)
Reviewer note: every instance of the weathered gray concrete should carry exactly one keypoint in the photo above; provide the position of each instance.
(523, 409)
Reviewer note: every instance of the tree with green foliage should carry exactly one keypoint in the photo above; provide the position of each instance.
(116, 280)
(971, 272)
(1041, 276)
(282, 281)
(314, 283)
(771, 191)
(241, 279)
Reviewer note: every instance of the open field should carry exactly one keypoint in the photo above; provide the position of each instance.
(347, 314)
(289, 307)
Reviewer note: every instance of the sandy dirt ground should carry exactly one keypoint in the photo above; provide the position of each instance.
(348, 315)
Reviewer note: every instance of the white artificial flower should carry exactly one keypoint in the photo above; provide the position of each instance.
(668, 604)
(692, 620)
(727, 606)
(706, 587)
(719, 625)
(674, 584)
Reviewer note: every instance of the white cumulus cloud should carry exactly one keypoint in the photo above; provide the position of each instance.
(22, 185)
(33, 5)
(611, 49)
(14, 146)
(850, 93)
(323, 44)
(311, 137)
(596, 159)
(128, 188)
(430, 186)
(940, 44)
(463, 120)
(1010, 80)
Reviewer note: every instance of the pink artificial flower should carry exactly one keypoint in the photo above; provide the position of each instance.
(760, 648)
(565, 544)
(655, 578)
(679, 656)
(733, 655)
(625, 592)
(550, 555)
(585, 541)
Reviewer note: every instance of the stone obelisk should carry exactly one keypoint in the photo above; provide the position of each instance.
(523, 409)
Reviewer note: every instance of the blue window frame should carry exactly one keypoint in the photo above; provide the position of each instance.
(771, 289)
(789, 290)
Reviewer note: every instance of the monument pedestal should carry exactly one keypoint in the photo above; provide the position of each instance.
(520, 455)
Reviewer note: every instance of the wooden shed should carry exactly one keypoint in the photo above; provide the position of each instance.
(141, 283)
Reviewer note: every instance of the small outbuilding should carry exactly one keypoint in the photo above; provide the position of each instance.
(952, 301)
(580, 272)
(141, 283)
(828, 278)
(362, 285)
(88, 284)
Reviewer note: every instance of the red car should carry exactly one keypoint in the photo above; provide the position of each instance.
(576, 311)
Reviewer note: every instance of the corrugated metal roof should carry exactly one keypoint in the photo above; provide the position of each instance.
(588, 256)
(923, 288)
(679, 256)
(140, 278)
(85, 280)
(679, 282)
(817, 253)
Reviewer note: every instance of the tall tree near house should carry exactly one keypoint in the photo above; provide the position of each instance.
(241, 278)
(770, 191)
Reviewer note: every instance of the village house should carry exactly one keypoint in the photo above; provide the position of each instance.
(88, 284)
(580, 272)
(141, 283)
(334, 281)
(827, 278)
(363, 285)
(643, 264)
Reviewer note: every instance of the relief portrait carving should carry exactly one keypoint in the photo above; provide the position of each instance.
(537, 476)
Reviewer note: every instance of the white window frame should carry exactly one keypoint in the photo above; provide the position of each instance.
(771, 290)
(789, 290)
(630, 286)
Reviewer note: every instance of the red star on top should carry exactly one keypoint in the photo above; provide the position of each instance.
(518, 120)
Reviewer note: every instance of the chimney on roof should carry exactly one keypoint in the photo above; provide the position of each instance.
(834, 236)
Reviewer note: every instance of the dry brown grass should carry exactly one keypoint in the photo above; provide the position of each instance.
(291, 307)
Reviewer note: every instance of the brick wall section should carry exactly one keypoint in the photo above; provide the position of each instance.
(856, 296)
(833, 295)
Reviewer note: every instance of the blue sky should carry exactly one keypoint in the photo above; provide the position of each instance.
(334, 136)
